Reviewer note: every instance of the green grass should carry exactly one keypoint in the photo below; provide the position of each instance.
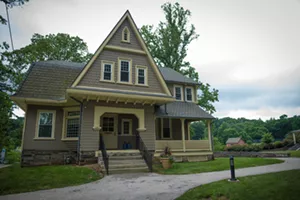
(274, 186)
(218, 164)
(15, 179)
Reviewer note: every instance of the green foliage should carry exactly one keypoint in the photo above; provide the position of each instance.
(13, 156)
(168, 44)
(289, 137)
(197, 130)
(244, 148)
(218, 146)
(267, 138)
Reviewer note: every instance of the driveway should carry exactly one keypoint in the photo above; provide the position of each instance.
(147, 186)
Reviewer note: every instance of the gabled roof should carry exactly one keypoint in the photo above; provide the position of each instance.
(179, 109)
(128, 16)
(171, 75)
(233, 140)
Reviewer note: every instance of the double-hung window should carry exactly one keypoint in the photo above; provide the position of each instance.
(45, 124)
(141, 75)
(72, 124)
(107, 71)
(124, 71)
(178, 93)
(189, 94)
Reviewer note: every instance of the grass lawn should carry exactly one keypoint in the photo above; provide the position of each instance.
(218, 164)
(274, 186)
(15, 179)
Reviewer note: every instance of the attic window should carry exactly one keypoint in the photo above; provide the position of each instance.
(126, 35)
(178, 92)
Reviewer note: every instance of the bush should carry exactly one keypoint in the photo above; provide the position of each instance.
(13, 157)
(278, 144)
(267, 138)
(244, 148)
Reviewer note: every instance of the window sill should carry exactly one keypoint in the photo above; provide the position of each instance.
(125, 83)
(69, 139)
(124, 41)
(142, 85)
(41, 138)
(107, 81)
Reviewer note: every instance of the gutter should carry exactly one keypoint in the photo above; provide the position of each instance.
(80, 123)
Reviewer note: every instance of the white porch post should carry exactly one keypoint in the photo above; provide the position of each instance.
(189, 132)
(209, 135)
(294, 138)
(183, 134)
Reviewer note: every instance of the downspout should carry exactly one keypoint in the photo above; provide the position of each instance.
(79, 134)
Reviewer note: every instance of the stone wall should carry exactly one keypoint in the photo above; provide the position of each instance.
(43, 157)
(88, 157)
(249, 154)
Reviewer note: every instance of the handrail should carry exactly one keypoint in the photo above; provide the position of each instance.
(105, 156)
(144, 151)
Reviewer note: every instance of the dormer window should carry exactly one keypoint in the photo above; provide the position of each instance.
(178, 92)
(126, 35)
(189, 94)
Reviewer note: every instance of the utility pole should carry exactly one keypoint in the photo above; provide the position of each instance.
(8, 21)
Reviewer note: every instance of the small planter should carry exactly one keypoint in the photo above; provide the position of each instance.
(166, 163)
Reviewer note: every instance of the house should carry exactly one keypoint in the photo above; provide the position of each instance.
(235, 141)
(118, 104)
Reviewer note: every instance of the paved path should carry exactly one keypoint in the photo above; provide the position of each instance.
(146, 186)
(3, 165)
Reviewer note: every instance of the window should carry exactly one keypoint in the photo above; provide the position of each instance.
(45, 124)
(188, 94)
(108, 124)
(72, 124)
(126, 127)
(178, 93)
(124, 71)
(126, 35)
(166, 128)
(107, 71)
(141, 75)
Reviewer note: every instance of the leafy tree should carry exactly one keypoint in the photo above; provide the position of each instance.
(197, 130)
(168, 44)
(267, 138)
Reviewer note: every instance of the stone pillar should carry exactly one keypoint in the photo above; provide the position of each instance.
(183, 134)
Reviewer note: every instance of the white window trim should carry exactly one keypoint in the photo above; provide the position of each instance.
(137, 67)
(64, 128)
(162, 128)
(128, 36)
(103, 62)
(192, 92)
(130, 70)
(115, 123)
(130, 127)
(181, 89)
(36, 137)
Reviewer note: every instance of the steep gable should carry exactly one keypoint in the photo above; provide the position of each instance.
(115, 48)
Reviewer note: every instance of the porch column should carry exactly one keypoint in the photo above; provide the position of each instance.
(209, 136)
(183, 134)
(294, 138)
(189, 132)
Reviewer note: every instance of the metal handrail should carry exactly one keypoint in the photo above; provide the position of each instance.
(105, 156)
(144, 151)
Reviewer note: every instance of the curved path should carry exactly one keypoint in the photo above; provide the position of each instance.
(147, 186)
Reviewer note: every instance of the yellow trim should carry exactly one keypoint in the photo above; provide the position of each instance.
(139, 37)
(124, 49)
(181, 89)
(128, 35)
(24, 128)
(100, 110)
(38, 121)
(189, 132)
(64, 127)
(130, 126)
(183, 134)
(125, 96)
(37, 100)
(209, 135)
(137, 67)
(129, 60)
(112, 64)
(185, 93)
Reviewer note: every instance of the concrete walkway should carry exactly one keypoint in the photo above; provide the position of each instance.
(3, 165)
(147, 186)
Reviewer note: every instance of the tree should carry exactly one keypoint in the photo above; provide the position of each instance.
(168, 44)
(267, 138)
(197, 130)
(10, 4)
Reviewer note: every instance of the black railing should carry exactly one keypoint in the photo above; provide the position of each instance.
(105, 156)
(144, 151)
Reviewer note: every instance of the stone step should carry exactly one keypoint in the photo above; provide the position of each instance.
(121, 162)
(137, 157)
(126, 166)
(128, 170)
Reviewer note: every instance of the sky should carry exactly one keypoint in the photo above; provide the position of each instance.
(248, 50)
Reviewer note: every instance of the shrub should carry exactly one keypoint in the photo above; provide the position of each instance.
(13, 157)
(244, 148)
(267, 138)
(278, 144)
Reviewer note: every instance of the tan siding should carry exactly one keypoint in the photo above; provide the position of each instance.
(57, 144)
(117, 38)
(176, 129)
(90, 139)
(92, 77)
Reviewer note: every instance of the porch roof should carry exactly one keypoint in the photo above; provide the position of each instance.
(180, 109)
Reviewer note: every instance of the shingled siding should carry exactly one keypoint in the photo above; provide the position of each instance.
(117, 38)
(90, 138)
(92, 77)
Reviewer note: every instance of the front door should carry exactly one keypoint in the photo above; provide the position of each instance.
(109, 130)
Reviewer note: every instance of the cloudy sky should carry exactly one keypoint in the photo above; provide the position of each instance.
(249, 50)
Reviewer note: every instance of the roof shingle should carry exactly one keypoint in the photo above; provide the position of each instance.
(171, 75)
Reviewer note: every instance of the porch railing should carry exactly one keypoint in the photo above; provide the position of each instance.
(144, 151)
(177, 145)
(105, 156)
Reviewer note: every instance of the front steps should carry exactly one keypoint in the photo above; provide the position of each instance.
(124, 161)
